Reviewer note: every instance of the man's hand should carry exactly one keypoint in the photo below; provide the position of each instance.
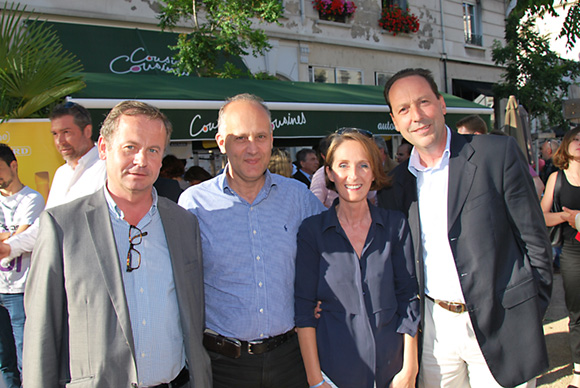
(4, 250)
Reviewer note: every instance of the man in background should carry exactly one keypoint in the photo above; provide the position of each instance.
(20, 206)
(403, 152)
(82, 174)
(471, 125)
(307, 165)
(547, 151)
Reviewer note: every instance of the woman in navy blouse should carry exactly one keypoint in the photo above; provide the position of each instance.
(357, 260)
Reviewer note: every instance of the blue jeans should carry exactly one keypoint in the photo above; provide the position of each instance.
(11, 334)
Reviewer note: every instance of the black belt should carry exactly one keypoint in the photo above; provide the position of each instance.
(454, 307)
(178, 382)
(232, 347)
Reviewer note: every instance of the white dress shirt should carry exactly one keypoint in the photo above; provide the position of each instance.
(441, 278)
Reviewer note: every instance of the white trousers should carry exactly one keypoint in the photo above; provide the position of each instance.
(451, 355)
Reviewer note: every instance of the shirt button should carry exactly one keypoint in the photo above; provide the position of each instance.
(144, 322)
(143, 354)
(261, 311)
(260, 284)
(141, 290)
(262, 335)
(257, 257)
(255, 232)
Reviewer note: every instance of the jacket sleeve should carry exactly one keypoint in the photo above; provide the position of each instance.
(406, 288)
(526, 215)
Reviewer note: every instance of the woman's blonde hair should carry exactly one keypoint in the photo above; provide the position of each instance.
(280, 163)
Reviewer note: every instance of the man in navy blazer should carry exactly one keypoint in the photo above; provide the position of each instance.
(482, 252)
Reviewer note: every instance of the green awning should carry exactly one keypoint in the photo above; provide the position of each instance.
(299, 109)
(131, 63)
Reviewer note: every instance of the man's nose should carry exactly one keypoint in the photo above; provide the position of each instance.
(140, 158)
(416, 113)
(59, 139)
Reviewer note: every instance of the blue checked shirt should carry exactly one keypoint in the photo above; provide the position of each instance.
(151, 297)
(249, 253)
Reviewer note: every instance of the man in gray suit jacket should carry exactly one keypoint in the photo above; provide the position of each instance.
(482, 251)
(115, 293)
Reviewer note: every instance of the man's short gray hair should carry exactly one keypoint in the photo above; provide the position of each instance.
(240, 97)
(380, 142)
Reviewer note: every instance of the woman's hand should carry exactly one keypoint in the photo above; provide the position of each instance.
(404, 379)
(570, 216)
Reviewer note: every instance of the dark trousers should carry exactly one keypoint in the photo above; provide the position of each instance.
(570, 270)
(8, 358)
(281, 367)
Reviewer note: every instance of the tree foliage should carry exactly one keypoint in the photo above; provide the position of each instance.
(537, 76)
(571, 26)
(219, 28)
(35, 71)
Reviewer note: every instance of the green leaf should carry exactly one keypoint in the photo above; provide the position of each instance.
(35, 71)
(218, 28)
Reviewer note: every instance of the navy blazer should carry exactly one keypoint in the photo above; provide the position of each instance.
(498, 238)
(367, 304)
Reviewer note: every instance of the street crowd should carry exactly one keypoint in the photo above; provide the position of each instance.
(437, 274)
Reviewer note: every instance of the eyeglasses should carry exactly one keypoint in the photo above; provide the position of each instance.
(363, 132)
(135, 238)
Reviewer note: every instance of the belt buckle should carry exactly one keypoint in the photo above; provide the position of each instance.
(251, 343)
(456, 307)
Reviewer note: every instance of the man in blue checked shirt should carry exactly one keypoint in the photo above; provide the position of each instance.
(248, 220)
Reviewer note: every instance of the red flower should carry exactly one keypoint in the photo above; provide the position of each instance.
(396, 20)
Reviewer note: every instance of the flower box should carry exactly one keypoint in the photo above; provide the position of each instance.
(334, 10)
(397, 20)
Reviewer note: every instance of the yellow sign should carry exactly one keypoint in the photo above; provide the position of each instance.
(32, 143)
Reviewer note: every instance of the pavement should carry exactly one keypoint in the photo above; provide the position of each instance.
(556, 333)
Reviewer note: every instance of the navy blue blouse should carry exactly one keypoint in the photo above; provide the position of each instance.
(367, 304)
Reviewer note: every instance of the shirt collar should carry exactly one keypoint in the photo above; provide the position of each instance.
(307, 175)
(117, 212)
(330, 219)
(264, 191)
(88, 159)
(415, 165)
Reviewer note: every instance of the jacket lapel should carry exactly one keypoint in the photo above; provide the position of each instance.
(461, 175)
(179, 258)
(105, 248)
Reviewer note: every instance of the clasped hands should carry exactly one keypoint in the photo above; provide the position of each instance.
(569, 216)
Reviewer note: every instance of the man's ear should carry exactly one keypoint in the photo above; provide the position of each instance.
(88, 131)
(220, 139)
(394, 122)
(102, 146)
(443, 105)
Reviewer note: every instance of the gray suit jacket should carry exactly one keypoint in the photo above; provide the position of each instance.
(78, 332)
(501, 249)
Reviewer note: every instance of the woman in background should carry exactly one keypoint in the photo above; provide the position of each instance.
(280, 163)
(567, 159)
(357, 260)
